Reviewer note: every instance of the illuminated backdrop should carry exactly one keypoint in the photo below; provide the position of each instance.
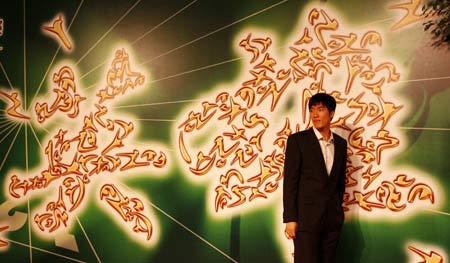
(147, 131)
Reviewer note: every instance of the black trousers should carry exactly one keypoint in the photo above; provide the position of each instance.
(315, 247)
(320, 247)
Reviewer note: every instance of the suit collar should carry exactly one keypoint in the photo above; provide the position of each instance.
(320, 136)
(317, 151)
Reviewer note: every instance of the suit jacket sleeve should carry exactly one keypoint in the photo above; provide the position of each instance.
(292, 164)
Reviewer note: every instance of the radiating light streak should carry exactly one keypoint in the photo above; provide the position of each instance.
(155, 103)
(88, 239)
(183, 226)
(30, 243)
(143, 35)
(24, 57)
(6, 75)
(28, 202)
(37, 139)
(185, 72)
(5, 123)
(194, 70)
(45, 251)
(10, 147)
(26, 147)
(57, 51)
(438, 212)
(9, 129)
(425, 128)
(202, 37)
(427, 79)
(377, 22)
(163, 22)
(213, 32)
(154, 120)
(109, 30)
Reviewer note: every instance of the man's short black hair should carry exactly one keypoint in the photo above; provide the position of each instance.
(324, 99)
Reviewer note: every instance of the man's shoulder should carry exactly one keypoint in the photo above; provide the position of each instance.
(301, 134)
(339, 138)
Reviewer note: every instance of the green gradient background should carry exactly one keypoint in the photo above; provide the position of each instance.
(252, 237)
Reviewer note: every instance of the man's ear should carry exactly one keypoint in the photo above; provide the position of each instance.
(331, 115)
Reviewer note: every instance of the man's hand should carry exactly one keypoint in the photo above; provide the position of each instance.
(291, 230)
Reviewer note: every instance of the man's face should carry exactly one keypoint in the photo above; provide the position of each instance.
(320, 116)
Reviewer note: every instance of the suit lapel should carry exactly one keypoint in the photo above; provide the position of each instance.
(316, 151)
(337, 155)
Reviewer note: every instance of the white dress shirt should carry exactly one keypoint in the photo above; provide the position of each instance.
(327, 149)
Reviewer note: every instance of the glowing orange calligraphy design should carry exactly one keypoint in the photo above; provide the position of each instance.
(129, 209)
(74, 158)
(2, 242)
(119, 78)
(16, 104)
(57, 28)
(2, 27)
(412, 7)
(237, 135)
(66, 97)
(432, 257)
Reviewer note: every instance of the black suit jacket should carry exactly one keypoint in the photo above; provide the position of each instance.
(310, 196)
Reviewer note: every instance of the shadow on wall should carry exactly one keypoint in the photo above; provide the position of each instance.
(352, 244)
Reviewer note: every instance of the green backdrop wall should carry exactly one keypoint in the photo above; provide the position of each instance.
(154, 131)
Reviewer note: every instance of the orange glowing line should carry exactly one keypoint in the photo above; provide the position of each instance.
(184, 152)
(56, 30)
(14, 104)
(3, 243)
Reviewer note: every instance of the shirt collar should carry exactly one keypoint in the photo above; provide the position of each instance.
(320, 137)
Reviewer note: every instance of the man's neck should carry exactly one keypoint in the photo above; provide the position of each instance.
(326, 133)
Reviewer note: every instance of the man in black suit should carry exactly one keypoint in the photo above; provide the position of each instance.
(314, 185)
